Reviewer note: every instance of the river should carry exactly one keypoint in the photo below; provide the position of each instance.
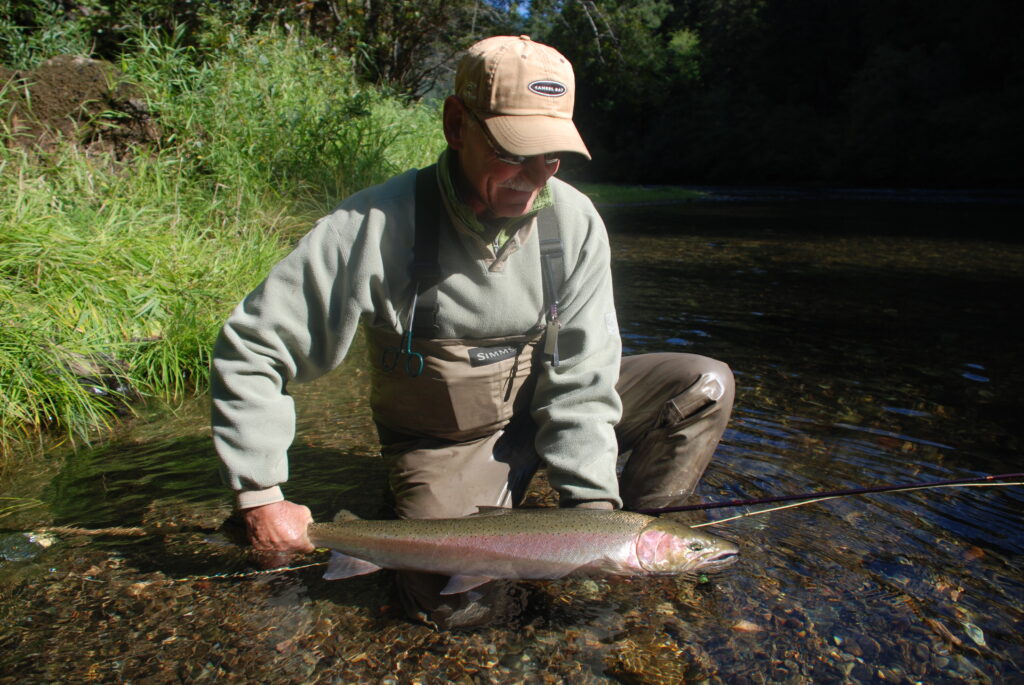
(874, 341)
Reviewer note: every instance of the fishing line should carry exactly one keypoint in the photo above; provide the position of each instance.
(828, 497)
(141, 531)
(837, 493)
(237, 575)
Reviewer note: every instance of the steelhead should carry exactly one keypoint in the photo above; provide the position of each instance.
(520, 543)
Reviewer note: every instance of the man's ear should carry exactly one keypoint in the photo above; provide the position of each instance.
(453, 117)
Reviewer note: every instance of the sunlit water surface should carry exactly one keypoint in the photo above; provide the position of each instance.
(874, 342)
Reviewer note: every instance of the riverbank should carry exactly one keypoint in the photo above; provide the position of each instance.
(609, 194)
(118, 272)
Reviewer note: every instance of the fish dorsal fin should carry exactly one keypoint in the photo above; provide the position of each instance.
(345, 515)
(458, 584)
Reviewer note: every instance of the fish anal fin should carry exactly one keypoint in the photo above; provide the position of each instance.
(457, 584)
(344, 566)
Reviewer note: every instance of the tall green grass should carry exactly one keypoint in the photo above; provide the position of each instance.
(129, 269)
(283, 112)
(113, 272)
(55, 31)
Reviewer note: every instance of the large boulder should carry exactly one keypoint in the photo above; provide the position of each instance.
(86, 101)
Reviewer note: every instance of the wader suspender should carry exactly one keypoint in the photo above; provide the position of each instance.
(425, 270)
(553, 274)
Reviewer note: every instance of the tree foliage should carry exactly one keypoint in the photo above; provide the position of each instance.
(742, 91)
(409, 45)
(406, 45)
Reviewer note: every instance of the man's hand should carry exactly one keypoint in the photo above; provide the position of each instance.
(278, 527)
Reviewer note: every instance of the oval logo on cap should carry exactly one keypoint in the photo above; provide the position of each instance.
(551, 89)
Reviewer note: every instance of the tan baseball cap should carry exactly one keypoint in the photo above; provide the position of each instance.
(524, 91)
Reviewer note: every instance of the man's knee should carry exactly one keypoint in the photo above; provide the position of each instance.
(674, 414)
(704, 376)
(671, 386)
(715, 386)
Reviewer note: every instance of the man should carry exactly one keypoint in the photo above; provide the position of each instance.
(484, 287)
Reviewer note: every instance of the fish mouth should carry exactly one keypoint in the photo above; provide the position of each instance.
(719, 561)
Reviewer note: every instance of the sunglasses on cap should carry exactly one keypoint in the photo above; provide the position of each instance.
(501, 153)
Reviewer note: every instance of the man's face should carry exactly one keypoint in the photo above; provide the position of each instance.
(492, 188)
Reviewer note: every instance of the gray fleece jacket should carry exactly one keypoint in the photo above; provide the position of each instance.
(352, 269)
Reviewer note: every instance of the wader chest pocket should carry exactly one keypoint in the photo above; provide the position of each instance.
(482, 356)
(468, 389)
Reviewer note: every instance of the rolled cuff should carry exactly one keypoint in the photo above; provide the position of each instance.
(587, 504)
(247, 499)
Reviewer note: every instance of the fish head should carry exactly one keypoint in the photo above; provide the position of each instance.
(666, 546)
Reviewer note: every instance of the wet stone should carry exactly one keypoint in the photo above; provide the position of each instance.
(20, 547)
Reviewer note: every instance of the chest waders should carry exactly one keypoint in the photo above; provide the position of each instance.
(467, 388)
(448, 432)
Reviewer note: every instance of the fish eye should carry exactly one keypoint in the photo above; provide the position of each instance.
(696, 546)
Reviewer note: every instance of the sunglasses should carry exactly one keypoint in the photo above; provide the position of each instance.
(504, 155)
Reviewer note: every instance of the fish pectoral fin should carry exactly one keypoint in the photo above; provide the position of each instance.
(457, 584)
(344, 566)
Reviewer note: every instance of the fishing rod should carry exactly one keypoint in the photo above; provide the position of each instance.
(836, 493)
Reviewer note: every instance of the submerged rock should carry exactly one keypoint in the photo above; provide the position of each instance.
(22, 546)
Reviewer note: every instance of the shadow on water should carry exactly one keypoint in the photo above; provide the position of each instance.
(873, 343)
(171, 484)
(116, 484)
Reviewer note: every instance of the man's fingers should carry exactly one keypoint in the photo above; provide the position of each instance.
(280, 526)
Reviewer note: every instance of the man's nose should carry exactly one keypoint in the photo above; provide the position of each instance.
(538, 171)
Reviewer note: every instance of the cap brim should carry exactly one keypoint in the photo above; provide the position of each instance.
(536, 134)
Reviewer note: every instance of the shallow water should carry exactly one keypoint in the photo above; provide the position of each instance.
(874, 341)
